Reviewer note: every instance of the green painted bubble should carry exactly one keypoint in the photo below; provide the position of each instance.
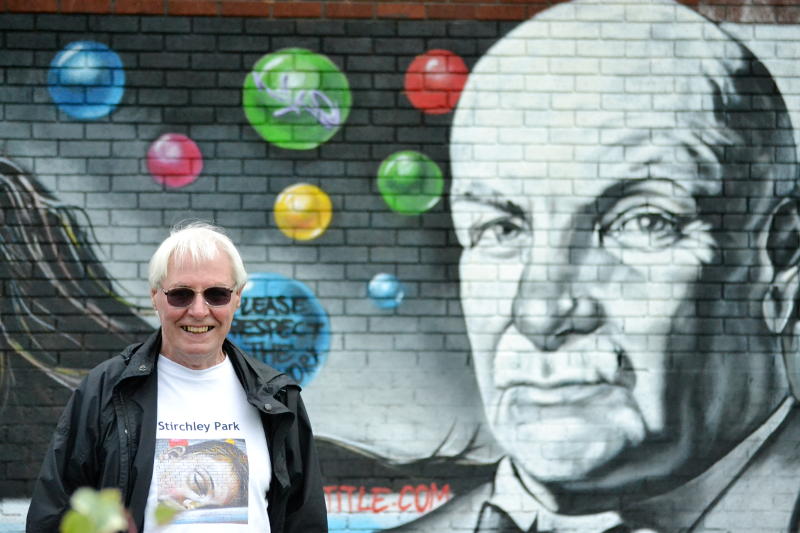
(296, 99)
(410, 182)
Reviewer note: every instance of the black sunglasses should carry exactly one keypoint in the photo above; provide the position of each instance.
(183, 296)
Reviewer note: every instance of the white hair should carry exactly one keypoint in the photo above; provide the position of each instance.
(199, 241)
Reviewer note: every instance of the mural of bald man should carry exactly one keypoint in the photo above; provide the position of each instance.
(626, 204)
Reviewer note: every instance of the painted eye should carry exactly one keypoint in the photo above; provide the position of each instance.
(646, 228)
(201, 482)
(497, 232)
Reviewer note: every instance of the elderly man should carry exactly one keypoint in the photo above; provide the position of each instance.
(624, 198)
(188, 388)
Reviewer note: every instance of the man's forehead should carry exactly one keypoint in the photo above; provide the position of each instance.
(184, 264)
(692, 168)
(544, 126)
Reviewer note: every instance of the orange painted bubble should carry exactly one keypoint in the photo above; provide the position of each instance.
(303, 211)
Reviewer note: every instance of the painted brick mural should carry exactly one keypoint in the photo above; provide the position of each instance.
(533, 275)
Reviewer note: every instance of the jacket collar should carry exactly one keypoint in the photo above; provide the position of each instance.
(255, 376)
(140, 358)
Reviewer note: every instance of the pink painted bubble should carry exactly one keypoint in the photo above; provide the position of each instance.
(174, 160)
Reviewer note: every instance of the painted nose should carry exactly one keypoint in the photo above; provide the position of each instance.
(549, 313)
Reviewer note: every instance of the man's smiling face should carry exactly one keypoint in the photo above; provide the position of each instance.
(193, 335)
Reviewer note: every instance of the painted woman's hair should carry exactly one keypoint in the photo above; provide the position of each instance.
(59, 313)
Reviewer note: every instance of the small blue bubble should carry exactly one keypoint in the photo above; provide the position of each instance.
(86, 80)
(386, 291)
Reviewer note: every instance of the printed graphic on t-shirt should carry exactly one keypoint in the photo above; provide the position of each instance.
(204, 479)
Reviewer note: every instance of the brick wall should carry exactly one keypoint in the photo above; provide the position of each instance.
(747, 11)
(395, 402)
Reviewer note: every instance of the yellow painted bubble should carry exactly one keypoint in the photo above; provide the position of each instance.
(303, 211)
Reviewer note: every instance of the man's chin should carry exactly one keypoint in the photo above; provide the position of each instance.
(574, 447)
(574, 459)
(197, 348)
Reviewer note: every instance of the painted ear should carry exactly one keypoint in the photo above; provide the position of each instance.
(783, 247)
(779, 302)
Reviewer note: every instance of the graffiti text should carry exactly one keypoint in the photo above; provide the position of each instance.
(315, 103)
(361, 499)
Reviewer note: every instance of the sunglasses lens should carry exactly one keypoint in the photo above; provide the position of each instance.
(217, 296)
(214, 296)
(180, 297)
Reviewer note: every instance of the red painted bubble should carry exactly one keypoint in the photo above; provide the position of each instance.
(174, 160)
(434, 81)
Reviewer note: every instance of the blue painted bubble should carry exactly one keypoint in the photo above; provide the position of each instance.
(386, 291)
(86, 80)
(281, 322)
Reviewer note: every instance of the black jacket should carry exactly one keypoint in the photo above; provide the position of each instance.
(106, 438)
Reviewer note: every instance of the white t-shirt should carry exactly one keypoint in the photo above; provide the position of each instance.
(211, 459)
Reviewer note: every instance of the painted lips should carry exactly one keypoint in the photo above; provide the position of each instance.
(567, 393)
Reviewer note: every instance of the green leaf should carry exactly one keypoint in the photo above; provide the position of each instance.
(103, 510)
(83, 500)
(165, 514)
(74, 522)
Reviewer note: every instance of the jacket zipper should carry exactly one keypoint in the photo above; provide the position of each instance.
(124, 449)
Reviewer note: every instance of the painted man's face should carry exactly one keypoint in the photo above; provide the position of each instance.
(611, 307)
